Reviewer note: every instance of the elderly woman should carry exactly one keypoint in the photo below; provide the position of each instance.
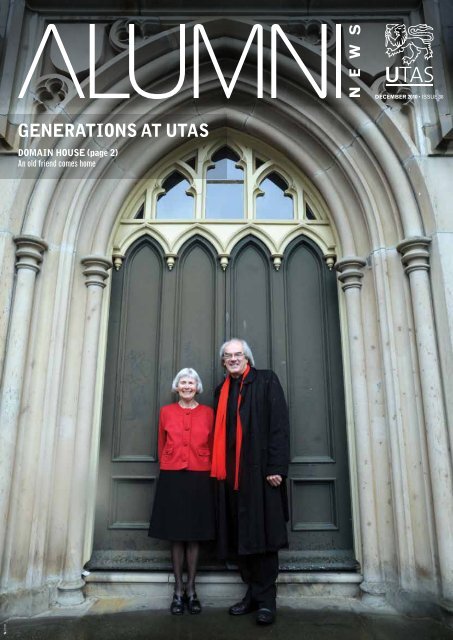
(183, 509)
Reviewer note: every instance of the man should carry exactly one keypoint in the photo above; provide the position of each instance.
(250, 462)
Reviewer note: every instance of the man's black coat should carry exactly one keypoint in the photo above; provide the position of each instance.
(262, 509)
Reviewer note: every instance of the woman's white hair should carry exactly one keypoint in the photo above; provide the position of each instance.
(245, 348)
(187, 373)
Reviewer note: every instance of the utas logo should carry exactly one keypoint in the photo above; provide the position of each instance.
(411, 42)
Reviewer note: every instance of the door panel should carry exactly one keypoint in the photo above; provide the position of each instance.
(319, 476)
(308, 392)
(161, 321)
(250, 299)
(137, 358)
(128, 447)
(198, 316)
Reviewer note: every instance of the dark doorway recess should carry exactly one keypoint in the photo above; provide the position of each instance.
(161, 321)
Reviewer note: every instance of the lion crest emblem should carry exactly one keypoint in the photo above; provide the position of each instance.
(411, 41)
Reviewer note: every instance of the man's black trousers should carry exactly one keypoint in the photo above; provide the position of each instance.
(259, 571)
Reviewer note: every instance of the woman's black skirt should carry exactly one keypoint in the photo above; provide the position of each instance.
(183, 506)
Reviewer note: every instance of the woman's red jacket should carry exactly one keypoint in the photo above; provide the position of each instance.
(185, 437)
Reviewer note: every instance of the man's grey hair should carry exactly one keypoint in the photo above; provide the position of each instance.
(187, 373)
(245, 348)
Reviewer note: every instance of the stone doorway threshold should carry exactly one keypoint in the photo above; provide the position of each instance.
(328, 561)
(216, 589)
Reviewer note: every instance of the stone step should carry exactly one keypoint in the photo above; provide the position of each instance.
(218, 588)
(117, 560)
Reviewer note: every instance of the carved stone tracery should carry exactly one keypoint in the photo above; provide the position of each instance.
(276, 233)
(310, 31)
(144, 28)
(404, 93)
(51, 90)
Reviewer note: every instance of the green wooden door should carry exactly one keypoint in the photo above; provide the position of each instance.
(161, 321)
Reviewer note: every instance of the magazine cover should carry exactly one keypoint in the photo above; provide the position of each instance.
(226, 305)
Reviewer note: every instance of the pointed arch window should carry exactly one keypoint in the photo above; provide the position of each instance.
(221, 188)
(309, 213)
(225, 186)
(273, 203)
(140, 213)
(175, 203)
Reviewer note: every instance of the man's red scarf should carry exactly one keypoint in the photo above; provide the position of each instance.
(218, 468)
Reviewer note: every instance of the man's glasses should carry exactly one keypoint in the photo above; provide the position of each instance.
(233, 356)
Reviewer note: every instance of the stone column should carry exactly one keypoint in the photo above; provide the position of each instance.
(70, 590)
(415, 258)
(350, 275)
(29, 254)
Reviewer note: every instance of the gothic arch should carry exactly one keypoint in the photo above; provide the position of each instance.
(342, 145)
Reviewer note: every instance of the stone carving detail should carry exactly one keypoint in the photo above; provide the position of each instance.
(404, 93)
(224, 259)
(277, 260)
(330, 260)
(144, 28)
(310, 31)
(117, 258)
(415, 253)
(171, 259)
(350, 272)
(29, 252)
(51, 90)
(96, 270)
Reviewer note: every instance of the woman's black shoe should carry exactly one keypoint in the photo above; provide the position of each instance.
(193, 604)
(177, 605)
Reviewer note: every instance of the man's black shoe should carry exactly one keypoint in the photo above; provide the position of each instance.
(265, 616)
(242, 607)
